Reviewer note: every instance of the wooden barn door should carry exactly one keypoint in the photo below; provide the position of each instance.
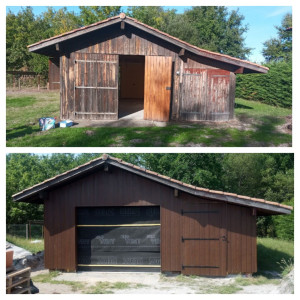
(204, 239)
(218, 94)
(157, 93)
(193, 94)
(96, 86)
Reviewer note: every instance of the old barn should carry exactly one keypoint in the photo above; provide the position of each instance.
(120, 66)
(111, 214)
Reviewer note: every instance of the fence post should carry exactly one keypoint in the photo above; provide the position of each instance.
(26, 231)
(38, 82)
(19, 83)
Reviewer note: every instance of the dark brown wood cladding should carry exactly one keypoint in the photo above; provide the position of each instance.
(233, 226)
(184, 94)
(53, 75)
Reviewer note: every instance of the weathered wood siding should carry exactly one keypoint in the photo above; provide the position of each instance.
(235, 254)
(133, 41)
(53, 75)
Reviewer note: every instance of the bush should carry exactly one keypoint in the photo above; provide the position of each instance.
(274, 88)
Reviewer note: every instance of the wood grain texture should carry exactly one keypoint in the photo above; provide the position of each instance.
(236, 253)
(96, 88)
(157, 93)
(53, 74)
(207, 99)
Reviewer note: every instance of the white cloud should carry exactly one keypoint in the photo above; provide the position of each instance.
(279, 11)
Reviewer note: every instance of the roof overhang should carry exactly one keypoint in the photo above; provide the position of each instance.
(37, 193)
(48, 46)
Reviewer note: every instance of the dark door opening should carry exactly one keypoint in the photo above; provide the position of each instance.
(118, 238)
(131, 83)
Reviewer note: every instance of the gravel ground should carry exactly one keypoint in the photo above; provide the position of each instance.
(150, 283)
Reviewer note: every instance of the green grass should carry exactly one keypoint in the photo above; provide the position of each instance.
(26, 244)
(23, 113)
(107, 287)
(49, 278)
(223, 289)
(274, 255)
(255, 280)
(46, 278)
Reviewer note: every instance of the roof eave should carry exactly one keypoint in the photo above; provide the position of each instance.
(244, 65)
(33, 194)
(25, 195)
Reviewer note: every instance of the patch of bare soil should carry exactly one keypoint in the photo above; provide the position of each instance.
(287, 127)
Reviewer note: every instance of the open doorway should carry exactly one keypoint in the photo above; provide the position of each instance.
(131, 83)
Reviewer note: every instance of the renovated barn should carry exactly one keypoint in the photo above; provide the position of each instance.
(109, 214)
(120, 66)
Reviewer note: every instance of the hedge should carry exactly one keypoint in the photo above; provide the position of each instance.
(273, 88)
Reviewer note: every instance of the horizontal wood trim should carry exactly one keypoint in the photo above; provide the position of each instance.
(124, 266)
(96, 61)
(120, 225)
(93, 113)
(201, 267)
(96, 87)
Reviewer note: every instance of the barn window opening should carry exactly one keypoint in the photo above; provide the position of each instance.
(131, 86)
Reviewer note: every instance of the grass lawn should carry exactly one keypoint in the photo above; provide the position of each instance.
(260, 120)
(274, 255)
(26, 244)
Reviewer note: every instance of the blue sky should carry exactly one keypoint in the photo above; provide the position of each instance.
(260, 19)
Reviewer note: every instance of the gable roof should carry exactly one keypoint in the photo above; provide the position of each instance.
(35, 194)
(244, 66)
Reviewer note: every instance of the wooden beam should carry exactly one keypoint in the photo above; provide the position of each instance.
(254, 213)
(239, 70)
(176, 193)
(181, 52)
(122, 25)
(57, 47)
(106, 168)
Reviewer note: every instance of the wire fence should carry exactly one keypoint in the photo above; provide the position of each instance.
(28, 231)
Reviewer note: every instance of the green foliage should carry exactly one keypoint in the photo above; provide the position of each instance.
(274, 255)
(256, 175)
(280, 48)
(92, 14)
(273, 88)
(212, 28)
(209, 27)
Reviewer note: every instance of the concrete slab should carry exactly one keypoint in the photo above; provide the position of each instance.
(146, 278)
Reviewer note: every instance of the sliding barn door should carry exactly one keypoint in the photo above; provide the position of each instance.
(96, 86)
(204, 239)
(157, 95)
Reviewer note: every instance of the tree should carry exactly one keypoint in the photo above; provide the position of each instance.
(218, 30)
(280, 48)
(268, 176)
(153, 16)
(92, 14)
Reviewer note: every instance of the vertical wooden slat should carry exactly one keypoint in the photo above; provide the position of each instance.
(156, 96)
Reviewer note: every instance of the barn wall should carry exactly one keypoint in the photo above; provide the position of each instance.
(132, 41)
(242, 254)
(53, 75)
(132, 80)
(120, 188)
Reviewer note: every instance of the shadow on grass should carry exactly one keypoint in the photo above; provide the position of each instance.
(20, 131)
(238, 105)
(269, 261)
